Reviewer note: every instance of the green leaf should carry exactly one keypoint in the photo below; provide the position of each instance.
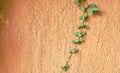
(78, 1)
(84, 8)
(80, 34)
(92, 5)
(83, 33)
(73, 50)
(93, 9)
(76, 41)
(65, 67)
(81, 26)
(90, 11)
(83, 17)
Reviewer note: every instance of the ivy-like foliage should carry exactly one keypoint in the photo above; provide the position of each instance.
(84, 8)
(87, 9)
(73, 50)
(65, 67)
(93, 9)
(78, 1)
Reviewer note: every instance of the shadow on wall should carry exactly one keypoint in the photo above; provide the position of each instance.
(5, 6)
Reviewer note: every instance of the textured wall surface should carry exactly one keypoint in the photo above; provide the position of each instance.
(37, 35)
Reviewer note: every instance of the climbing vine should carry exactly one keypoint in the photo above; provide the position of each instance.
(87, 10)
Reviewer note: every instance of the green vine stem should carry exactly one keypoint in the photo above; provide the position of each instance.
(87, 9)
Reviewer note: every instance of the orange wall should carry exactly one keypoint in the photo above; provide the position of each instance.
(37, 35)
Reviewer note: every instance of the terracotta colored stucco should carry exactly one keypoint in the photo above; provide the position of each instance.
(36, 36)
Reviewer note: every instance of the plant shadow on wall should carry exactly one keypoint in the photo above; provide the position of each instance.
(5, 6)
(87, 11)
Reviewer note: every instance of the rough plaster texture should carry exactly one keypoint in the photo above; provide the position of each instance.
(37, 35)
